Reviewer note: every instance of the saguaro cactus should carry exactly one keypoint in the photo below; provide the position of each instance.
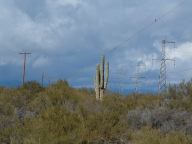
(101, 79)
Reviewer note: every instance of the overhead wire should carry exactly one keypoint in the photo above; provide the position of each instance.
(142, 29)
(156, 20)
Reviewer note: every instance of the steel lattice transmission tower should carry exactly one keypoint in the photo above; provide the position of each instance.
(163, 68)
(138, 76)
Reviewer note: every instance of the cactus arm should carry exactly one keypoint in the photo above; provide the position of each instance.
(102, 70)
(107, 75)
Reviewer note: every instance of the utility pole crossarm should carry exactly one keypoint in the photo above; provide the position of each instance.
(166, 59)
(168, 42)
(137, 77)
(25, 53)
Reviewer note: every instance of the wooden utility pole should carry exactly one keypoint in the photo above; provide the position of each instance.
(24, 65)
(42, 79)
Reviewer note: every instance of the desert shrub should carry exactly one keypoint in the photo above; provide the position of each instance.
(160, 118)
(59, 92)
(153, 136)
(32, 87)
(181, 96)
(142, 101)
(104, 125)
(180, 91)
(115, 103)
(55, 125)
(61, 114)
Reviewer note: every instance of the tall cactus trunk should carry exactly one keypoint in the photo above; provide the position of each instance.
(97, 81)
(102, 94)
(100, 80)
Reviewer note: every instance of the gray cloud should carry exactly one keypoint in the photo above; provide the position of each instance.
(67, 37)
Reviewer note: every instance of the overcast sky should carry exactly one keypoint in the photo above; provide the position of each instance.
(67, 38)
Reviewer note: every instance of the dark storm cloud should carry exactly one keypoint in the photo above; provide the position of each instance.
(67, 37)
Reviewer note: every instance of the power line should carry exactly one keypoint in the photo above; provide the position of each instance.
(156, 20)
(182, 74)
(185, 70)
(138, 76)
